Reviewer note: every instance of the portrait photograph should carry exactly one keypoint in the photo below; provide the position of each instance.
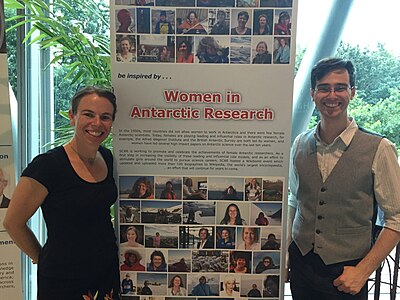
(184, 54)
(196, 237)
(225, 188)
(157, 236)
(129, 211)
(128, 284)
(248, 238)
(191, 21)
(156, 260)
(218, 21)
(212, 49)
(136, 187)
(195, 188)
(271, 286)
(181, 3)
(273, 188)
(151, 284)
(276, 3)
(230, 285)
(126, 48)
(266, 214)
(203, 285)
(163, 21)
(225, 237)
(232, 213)
(216, 3)
(125, 20)
(198, 212)
(240, 262)
(271, 238)
(266, 262)
(241, 22)
(131, 235)
(156, 48)
(177, 285)
(167, 187)
(251, 286)
(263, 21)
(252, 189)
(179, 261)
(281, 54)
(262, 48)
(132, 259)
(161, 212)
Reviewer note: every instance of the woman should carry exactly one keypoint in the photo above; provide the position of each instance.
(249, 239)
(132, 238)
(283, 26)
(222, 26)
(125, 21)
(168, 192)
(261, 220)
(209, 51)
(253, 188)
(142, 189)
(226, 241)
(132, 261)
(232, 216)
(266, 264)
(191, 25)
(205, 242)
(262, 57)
(176, 287)
(262, 28)
(189, 193)
(229, 287)
(125, 54)
(74, 181)
(240, 263)
(230, 194)
(157, 240)
(283, 52)
(185, 54)
(157, 262)
(272, 243)
(241, 28)
(165, 55)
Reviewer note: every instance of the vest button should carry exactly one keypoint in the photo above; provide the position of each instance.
(321, 202)
(318, 231)
(320, 217)
(323, 189)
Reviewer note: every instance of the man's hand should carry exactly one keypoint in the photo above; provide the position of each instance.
(351, 281)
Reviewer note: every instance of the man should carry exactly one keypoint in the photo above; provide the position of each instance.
(4, 201)
(254, 292)
(338, 173)
(163, 26)
(202, 289)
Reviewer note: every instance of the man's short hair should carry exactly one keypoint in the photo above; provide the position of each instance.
(327, 65)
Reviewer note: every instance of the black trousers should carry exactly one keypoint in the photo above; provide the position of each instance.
(311, 279)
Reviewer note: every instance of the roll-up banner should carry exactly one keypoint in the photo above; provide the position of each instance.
(10, 256)
(201, 140)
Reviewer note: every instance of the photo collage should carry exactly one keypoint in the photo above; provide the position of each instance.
(199, 236)
(203, 31)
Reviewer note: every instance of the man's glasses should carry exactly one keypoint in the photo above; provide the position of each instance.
(337, 89)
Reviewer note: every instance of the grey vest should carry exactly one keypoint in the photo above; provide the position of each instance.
(335, 217)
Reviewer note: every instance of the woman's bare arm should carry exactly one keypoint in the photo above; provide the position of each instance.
(27, 198)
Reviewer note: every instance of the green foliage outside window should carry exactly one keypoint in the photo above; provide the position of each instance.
(78, 33)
